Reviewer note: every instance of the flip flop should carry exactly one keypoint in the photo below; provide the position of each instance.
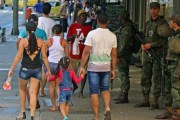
(27, 109)
(44, 95)
(50, 109)
(107, 115)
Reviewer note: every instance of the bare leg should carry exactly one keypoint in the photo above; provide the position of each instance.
(57, 90)
(22, 93)
(106, 97)
(52, 94)
(67, 108)
(33, 88)
(28, 97)
(95, 105)
(43, 83)
(63, 109)
(83, 82)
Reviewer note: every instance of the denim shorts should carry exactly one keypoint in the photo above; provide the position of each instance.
(26, 73)
(52, 67)
(65, 96)
(98, 81)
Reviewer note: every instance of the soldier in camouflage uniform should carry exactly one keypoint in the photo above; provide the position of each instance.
(124, 53)
(173, 69)
(151, 67)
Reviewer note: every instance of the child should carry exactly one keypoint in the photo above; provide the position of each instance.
(65, 84)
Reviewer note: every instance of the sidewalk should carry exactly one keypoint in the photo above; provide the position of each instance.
(81, 109)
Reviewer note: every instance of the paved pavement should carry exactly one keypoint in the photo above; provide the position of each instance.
(81, 109)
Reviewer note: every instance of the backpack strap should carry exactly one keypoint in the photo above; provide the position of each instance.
(61, 41)
(51, 41)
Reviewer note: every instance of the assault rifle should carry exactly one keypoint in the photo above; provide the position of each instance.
(162, 62)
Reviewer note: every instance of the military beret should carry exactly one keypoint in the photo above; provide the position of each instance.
(155, 5)
(176, 19)
(124, 13)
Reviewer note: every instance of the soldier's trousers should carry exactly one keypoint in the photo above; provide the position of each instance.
(175, 83)
(151, 70)
(168, 98)
(123, 69)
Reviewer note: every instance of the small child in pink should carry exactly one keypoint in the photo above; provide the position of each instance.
(65, 84)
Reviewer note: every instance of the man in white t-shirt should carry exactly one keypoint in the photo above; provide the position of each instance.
(100, 48)
(46, 23)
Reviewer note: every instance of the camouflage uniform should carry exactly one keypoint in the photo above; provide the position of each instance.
(124, 53)
(172, 87)
(151, 67)
(173, 60)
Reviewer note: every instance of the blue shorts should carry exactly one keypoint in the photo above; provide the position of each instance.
(26, 73)
(52, 67)
(65, 96)
(98, 81)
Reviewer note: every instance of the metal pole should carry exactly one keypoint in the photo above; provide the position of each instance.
(15, 30)
(24, 11)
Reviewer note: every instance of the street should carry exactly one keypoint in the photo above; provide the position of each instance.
(6, 16)
(81, 109)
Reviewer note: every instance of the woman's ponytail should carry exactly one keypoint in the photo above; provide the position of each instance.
(31, 28)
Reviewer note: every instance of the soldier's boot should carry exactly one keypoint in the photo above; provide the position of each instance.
(175, 115)
(144, 103)
(116, 98)
(123, 98)
(167, 114)
(155, 103)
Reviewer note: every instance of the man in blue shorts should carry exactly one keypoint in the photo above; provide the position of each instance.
(100, 48)
(40, 34)
(38, 8)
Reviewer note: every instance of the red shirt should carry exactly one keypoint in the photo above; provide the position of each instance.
(72, 76)
(82, 32)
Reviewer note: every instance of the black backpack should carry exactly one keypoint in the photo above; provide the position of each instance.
(136, 43)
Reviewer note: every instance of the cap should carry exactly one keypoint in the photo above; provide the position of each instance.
(33, 18)
(176, 19)
(64, 62)
(99, 7)
(82, 12)
(124, 13)
(155, 5)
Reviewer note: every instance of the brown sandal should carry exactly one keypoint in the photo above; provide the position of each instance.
(21, 116)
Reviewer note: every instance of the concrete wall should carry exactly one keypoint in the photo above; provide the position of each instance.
(176, 6)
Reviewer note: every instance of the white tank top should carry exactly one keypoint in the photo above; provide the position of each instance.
(56, 51)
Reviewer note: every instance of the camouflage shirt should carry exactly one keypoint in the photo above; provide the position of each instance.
(124, 40)
(151, 36)
(170, 55)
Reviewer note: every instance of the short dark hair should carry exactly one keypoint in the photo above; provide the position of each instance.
(102, 18)
(87, 3)
(46, 8)
(57, 29)
(66, 0)
(33, 18)
(96, 3)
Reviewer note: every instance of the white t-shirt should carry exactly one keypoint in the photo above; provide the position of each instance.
(102, 41)
(46, 24)
(88, 18)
